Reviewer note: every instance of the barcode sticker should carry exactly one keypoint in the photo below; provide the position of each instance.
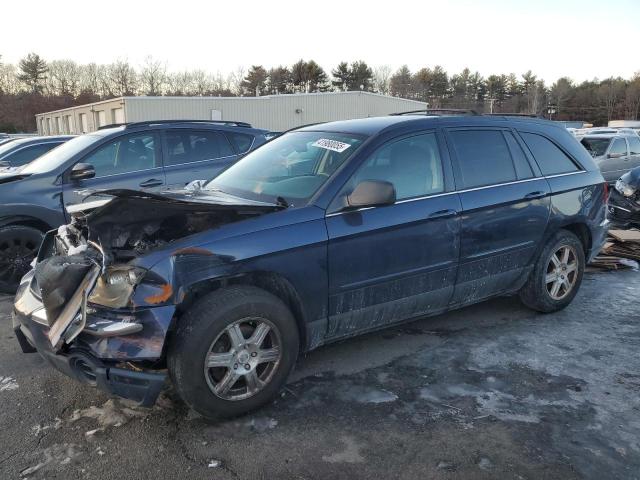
(333, 145)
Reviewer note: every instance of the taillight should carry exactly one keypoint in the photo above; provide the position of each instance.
(606, 192)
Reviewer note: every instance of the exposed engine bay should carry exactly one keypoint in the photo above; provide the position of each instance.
(100, 243)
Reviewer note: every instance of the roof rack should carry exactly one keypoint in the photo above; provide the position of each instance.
(439, 111)
(226, 123)
(528, 115)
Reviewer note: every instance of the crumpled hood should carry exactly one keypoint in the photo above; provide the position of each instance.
(132, 222)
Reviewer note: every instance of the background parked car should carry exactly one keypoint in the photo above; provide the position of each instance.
(614, 153)
(145, 156)
(24, 150)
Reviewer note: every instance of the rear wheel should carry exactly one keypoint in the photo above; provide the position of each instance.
(18, 247)
(557, 275)
(232, 351)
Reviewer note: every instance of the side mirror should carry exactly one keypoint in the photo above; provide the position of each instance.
(615, 155)
(371, 193)
(82, 171)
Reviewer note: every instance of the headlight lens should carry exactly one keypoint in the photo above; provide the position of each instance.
(115, 287)
(625, 189)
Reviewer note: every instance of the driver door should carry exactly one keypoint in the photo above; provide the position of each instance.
(128, 162)
(394, 262)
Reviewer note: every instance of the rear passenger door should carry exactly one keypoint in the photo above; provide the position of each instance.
(505, 208)
(195, 155)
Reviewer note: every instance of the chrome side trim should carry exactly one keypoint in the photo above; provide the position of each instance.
(475, 189)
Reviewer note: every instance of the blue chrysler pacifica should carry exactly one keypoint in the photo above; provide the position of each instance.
(323, 233)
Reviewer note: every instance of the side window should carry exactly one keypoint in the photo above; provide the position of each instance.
(184, 146)
(523, 169)
(412, 165)
(241, 141)
(551, 160)
(634, 145)
(619, 146)
(128, 154)
(28, 154)
(483, 157)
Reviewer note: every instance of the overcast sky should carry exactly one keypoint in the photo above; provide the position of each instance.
(581, 39)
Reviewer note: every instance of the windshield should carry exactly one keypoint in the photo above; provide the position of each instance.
(59, 155)
(596, 146)
(291, 167)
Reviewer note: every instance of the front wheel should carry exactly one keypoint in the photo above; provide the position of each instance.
(557, 275)
(232, 351)
(18, 247)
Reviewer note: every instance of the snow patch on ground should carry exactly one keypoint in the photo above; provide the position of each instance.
(351, 453)
(363, 394)
(112, 414)
(8, 383)
(54, 457)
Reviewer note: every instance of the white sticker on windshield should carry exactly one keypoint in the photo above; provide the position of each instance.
(334, 145)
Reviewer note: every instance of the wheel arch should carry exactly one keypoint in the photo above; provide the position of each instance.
(271, 282)
(25, 220)
(581, 230)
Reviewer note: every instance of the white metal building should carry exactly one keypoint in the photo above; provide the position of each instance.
(273, 112)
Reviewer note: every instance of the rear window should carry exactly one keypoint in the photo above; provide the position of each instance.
(595, 146)
(483, 158)
(551, 160)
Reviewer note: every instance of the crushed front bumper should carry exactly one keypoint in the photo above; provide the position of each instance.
(97, 360)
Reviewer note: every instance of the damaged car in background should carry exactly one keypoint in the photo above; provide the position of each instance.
(624, 202)
(318, 235)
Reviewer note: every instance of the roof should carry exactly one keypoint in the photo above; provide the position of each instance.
(375, 125)
(41, 139)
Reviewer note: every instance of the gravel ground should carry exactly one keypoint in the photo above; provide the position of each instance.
(491, 391)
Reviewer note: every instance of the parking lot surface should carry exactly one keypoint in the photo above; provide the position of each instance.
(491, 391)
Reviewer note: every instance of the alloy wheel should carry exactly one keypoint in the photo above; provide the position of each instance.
(243, 359)
(16, 255)
(562, 272)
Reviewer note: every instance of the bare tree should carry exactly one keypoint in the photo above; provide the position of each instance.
(381, 79)
(235, 80)
(9, 83)
(64, 78)
(152, 76)
(123, 78)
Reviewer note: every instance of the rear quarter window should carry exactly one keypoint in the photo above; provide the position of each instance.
(483, 158)
(550, 158)
(241, 141)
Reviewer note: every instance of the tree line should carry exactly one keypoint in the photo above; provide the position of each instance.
(35, 85)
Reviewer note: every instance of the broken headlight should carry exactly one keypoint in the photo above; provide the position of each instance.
(115, 287)
(625, 189)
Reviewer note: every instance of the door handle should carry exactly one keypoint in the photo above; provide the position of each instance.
(534, 195)
(152, 182)
(443, 214)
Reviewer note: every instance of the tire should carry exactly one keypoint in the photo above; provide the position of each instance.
(538, 292)
(207, 332)
(18, 247)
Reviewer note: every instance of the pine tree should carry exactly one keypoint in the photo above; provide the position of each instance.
(33, 72)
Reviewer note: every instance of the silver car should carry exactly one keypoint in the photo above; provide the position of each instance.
(614, 153)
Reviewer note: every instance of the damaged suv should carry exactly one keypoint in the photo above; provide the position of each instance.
(321, 234)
